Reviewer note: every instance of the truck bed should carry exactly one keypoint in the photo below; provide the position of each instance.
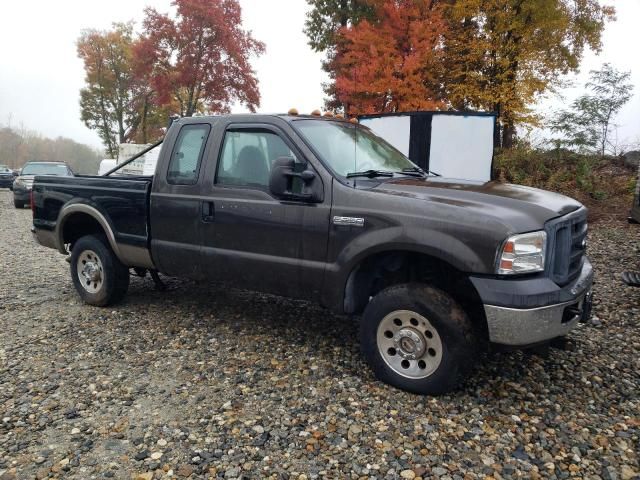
(121, 201)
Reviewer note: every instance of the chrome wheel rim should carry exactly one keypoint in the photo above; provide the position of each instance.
(90, 272)
(409, 344)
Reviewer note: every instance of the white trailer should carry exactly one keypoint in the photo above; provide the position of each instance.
(145, 165)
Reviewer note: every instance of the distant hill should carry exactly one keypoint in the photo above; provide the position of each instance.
(18, 146)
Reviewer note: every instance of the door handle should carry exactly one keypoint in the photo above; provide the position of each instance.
(208, 211)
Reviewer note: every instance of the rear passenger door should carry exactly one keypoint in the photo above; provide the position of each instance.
(255, 240)
(176, 203)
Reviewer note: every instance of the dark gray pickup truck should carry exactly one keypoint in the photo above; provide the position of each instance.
(322, 209)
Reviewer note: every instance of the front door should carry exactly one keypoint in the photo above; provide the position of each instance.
(257, 241)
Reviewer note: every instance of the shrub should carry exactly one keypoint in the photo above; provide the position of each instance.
(603, 184)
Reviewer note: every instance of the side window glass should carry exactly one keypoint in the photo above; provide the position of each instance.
(247, 157)
(187, 154)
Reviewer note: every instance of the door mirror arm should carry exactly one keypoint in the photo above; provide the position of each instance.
(307, 176)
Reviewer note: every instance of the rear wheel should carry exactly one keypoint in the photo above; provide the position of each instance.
(417, 338)
(99, 277)
(18, 203)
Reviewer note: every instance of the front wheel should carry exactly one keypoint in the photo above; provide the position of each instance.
(99, 277)
(18, 203)
(417, 338)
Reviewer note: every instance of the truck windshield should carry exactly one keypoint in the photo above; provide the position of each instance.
(349, 148)
(57, 169)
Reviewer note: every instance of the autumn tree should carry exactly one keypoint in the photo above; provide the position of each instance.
(200, 58)
(587, 124)
(392, 63)
(106, 102)
(497, 55)
(501, 55)
(327, 17)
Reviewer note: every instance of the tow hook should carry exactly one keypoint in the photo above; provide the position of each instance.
(587, 307)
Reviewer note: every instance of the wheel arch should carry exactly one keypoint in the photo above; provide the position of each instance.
(79, 219)
(386, 268)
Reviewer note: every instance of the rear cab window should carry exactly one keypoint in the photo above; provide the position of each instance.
(186, 157)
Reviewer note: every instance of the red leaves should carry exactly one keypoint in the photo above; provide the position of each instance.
(391, 65)
(200, 59)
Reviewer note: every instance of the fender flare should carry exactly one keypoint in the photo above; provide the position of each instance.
(94, 213)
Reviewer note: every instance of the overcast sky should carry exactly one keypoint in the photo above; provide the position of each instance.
(41, 76)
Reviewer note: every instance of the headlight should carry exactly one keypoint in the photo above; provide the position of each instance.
(523, 254)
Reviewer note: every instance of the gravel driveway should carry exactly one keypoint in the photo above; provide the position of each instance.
(203, 382)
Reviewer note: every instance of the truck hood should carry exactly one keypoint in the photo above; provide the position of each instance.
(522, 208)
(26, 180)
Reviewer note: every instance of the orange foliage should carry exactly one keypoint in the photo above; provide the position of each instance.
(392, 64)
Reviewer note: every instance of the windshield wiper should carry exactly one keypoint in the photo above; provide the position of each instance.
(420, 171)
(370, 174)
(413, 172)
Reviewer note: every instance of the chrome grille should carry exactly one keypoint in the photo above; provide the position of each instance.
(567, 236)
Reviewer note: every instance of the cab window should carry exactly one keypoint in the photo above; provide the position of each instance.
(187, 154)
(247, 157)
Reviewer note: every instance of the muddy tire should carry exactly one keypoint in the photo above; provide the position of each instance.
(99, 277)
(417, 338)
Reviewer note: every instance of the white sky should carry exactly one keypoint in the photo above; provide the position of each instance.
(40, 74)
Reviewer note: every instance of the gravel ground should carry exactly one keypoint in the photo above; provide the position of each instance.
(201, 382)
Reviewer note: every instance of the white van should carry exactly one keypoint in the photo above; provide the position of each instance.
(106, 165)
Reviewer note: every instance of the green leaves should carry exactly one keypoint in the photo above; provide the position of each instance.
(588, 123)
(327, 17)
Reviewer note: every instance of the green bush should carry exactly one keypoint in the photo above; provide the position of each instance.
(589, 178)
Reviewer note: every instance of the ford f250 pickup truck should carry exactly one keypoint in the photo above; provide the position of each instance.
(321, 209)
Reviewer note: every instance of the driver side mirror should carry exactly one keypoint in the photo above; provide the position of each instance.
(294, 181)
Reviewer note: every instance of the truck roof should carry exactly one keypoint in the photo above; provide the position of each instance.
(45, 161)
(285, 116)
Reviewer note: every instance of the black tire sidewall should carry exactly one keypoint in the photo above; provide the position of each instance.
(459, 345)
(115, 275)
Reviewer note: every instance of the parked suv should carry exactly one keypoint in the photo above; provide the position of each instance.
(6, 177)
(24, 182)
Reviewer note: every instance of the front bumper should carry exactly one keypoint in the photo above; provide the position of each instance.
(21, 194)
(513, 325)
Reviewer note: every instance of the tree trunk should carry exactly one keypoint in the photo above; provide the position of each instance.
(497, 108)
(145, 114)
(508, 134)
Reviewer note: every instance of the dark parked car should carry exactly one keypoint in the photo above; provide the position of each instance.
(324, 210)
(6, 177)
(24, 182)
